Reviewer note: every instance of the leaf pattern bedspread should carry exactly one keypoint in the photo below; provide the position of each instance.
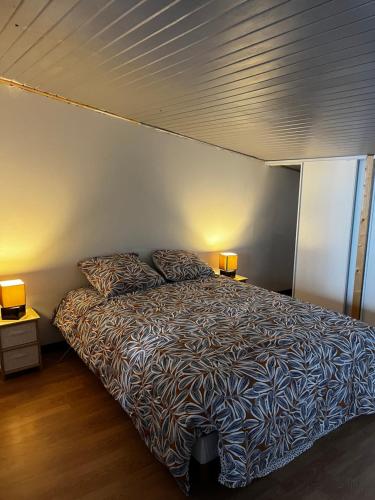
(270, 374)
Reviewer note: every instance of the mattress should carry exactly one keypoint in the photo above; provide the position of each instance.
(266, 373)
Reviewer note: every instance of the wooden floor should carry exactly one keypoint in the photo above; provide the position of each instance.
(63, 437)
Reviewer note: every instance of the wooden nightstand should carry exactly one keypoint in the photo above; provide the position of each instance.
(19, 343)
(241, 279)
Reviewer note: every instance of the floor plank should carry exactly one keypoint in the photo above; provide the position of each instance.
(63, 437)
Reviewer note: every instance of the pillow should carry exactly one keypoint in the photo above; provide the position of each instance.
(180, 265)
(118, 274)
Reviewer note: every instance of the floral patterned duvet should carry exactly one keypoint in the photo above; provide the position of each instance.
(268, 373)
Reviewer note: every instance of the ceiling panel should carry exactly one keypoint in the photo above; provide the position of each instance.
(269, 78)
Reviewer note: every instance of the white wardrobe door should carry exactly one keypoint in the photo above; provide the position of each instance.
(368, 297)
(324, 231)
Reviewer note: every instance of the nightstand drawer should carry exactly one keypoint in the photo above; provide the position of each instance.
(14, 335)
(23, 357)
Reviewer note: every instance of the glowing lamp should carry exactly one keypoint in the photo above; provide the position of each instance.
(12, 299)
(228, 263)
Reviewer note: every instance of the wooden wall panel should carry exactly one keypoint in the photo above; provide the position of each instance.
(363, 238)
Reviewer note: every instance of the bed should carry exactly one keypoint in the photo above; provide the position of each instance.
(267, 374)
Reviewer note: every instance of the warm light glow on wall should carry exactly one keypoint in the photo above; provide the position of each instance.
(216, 225)
(24, 250)
(33, 231)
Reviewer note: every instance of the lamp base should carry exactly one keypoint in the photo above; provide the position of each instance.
(230, 274)
(10, 313)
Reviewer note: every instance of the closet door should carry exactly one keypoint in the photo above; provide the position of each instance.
(326, 210)
(368, 295)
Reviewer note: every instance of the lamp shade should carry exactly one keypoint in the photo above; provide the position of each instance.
(12, 293)
(228, 261)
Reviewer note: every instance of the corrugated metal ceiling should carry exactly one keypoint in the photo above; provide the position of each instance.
(270, 78)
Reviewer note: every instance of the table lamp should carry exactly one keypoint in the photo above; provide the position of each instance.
(12, 299)
(228, 264)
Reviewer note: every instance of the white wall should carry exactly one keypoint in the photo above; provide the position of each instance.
(76, 183)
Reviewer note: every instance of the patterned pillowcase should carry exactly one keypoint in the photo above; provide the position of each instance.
(180, 265)
(119, 274)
